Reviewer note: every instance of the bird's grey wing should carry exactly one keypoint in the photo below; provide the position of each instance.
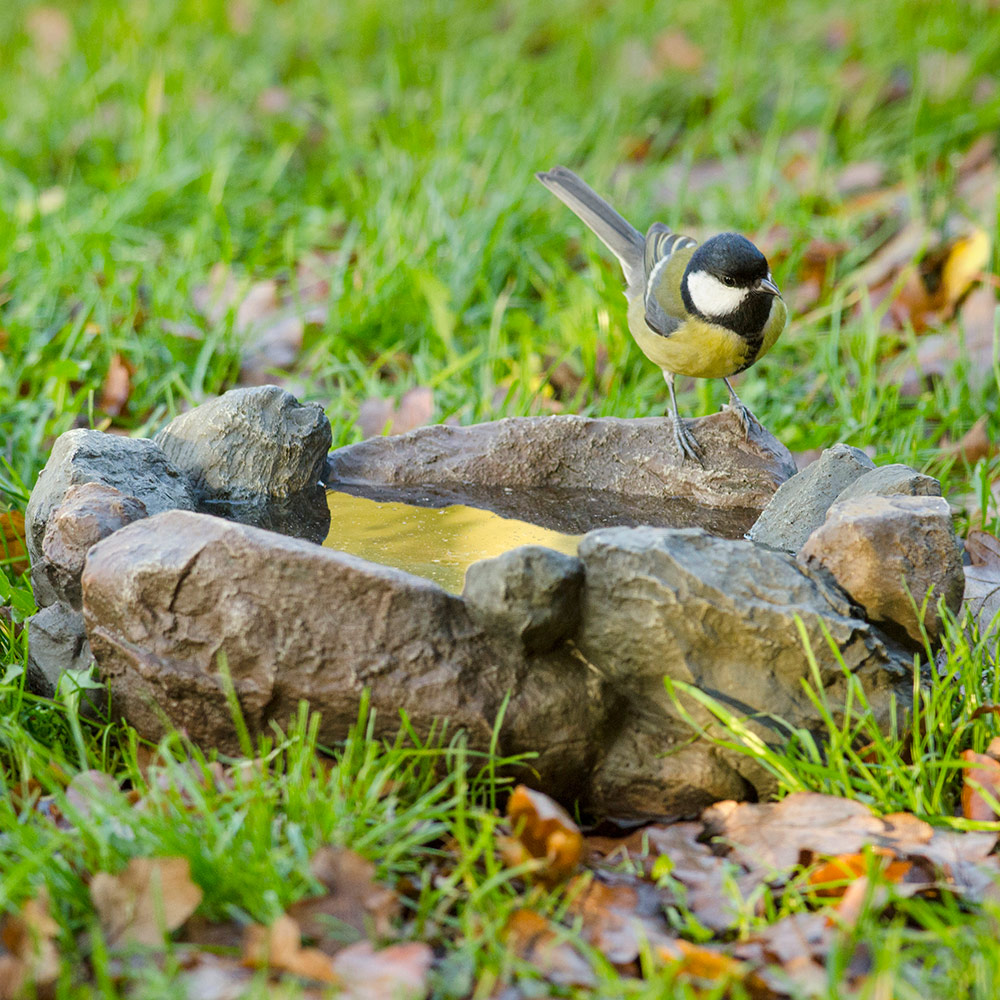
(661, 245)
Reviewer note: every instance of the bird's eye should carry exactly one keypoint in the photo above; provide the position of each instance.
(729, 280)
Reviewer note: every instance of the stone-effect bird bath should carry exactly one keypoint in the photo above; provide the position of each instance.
(130, 568)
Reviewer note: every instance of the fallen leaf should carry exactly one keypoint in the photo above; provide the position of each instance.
(673, 49)
(980, 780)
(974, 444)
(983, 549)
(609, 921)
(399, 972)
(116, 387)
(29, 936)
(708, 967)
(13, 548)
(546, 831)
(982, 595)
(51, 37)
(964, 264)
(532, 938)
(378, 416)
(150, 898)
(279, 947)
(354, 901)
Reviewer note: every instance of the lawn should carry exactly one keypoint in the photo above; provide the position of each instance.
(369, 168)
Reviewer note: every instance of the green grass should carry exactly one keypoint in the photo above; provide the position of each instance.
(406, 147)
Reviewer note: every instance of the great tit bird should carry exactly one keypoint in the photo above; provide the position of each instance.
(708, 310)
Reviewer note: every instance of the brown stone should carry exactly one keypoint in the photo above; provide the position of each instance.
(634, 457)
(172, 601)
(88, 513)
(889, 553)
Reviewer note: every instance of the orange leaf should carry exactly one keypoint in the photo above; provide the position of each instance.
(531, 937)
(546, 831)
(983, 775)
(150, 898)
(117, 387)
(13, 554)
(279, 947)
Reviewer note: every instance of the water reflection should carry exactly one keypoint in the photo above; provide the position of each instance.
(434, 542)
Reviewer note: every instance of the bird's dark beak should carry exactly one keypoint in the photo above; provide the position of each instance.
(767, 285)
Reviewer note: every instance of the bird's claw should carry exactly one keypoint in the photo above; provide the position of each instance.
(746, 418)
(686, 443)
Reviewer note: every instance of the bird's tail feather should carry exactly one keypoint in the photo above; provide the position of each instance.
(616, 233)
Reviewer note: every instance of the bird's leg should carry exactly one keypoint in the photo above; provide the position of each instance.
(686, 443)
(747, 419)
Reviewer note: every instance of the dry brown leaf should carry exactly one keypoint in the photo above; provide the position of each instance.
(150, 898)
(378, 416)
(546, 831)
(609, 920)
(398, 972)
(353, 900)
(117, 386)
(532, 938)
(983, 549)
(279, 947)
(13, 550)
(707, 967)
(674, 50)
(51, 37)
(30, 937)
(974, 444)
(983, 776)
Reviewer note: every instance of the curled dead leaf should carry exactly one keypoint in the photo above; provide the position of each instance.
(116, 388)
(29, 936)
(354, 902)
(150, 898)
(399, 971)
(533, 938)
(983, 549)
(546, 831)
(279, 947)
(980, 783)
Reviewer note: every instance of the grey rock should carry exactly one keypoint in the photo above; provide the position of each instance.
(888, 553)
(720, 615)
(634, 458)
(56, 643)
(249, 444)
(88, 513)
(170, 598)
(891, 480)
(800, 505)
(532, 593)
(133, 466)
(982, 595)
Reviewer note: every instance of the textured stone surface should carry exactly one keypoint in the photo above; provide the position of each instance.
(720, 615)
(891, 480)
(56, 643)
(636, 457)
(800, 505)
(88, 513)
(165, 597)
(249, 444)
(882, 550)
(532, 593)
(133, 466)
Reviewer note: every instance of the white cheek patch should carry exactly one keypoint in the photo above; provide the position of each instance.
(711, 297)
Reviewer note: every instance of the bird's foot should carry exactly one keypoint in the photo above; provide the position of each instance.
(747, 419)
(686, 443)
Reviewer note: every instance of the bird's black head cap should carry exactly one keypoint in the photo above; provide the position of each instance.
(730, 255)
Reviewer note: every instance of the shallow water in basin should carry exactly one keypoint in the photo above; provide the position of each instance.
(438, 543)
